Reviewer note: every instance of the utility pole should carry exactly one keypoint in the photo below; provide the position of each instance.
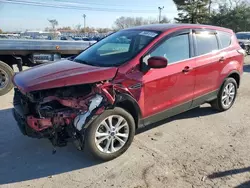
(160, 9)
(84, 17)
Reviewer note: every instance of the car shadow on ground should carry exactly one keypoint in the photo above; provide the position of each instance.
(246, 68)
(230, 173)
(196, 112)
(23, 158)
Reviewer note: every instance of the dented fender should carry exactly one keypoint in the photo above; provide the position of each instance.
(113, 95)
(103, 96)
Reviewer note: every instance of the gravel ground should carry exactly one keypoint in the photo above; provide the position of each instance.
(199, 148)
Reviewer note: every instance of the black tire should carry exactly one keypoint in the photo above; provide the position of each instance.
(8, 74)
(90, 146)
(248, 50)
(217, 103)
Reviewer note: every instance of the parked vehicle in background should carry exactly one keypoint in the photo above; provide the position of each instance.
(77, 38)
(66, 38)
(86, 39)
(31, 53)
(128, 80)
(96, 38)
(244, 41)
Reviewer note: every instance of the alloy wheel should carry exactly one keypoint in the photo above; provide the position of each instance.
(112, 134)
(228, 95)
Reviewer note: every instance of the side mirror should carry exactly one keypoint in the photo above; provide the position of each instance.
(157, 62)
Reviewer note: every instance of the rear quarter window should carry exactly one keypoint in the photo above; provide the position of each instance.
(225, 38)
(206, 43)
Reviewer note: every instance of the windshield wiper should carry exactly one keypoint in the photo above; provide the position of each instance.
(86, 63)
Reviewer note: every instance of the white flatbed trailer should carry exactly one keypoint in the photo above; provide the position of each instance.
(22, 52)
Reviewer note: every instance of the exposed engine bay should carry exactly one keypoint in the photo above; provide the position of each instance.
(62, 114)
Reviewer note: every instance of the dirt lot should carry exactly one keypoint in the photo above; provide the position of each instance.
(199, 148)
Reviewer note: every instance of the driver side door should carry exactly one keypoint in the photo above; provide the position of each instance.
(169, 91)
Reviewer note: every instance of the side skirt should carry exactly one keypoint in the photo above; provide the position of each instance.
(204, 98)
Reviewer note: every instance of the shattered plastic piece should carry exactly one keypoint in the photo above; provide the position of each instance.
(81, 118)
(54, 151)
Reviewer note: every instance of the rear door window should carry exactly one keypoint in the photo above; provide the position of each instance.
(225, 38)
(206, 42)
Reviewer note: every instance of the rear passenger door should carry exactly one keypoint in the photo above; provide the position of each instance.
(208, 58)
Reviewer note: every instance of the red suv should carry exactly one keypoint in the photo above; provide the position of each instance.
(127, 80)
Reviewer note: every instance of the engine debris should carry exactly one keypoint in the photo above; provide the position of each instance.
(79, 121)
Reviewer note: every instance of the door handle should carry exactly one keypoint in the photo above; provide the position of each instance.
(186, 69)
(221, 59)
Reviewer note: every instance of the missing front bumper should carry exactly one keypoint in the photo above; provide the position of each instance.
(20, 122)
(24, 127)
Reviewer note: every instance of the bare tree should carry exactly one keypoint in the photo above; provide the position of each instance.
(53, 23)
(47, 29)
(231, 3)
(78, 28)
(125, 22)
(103, 30)
(64, 28)
(165, 20)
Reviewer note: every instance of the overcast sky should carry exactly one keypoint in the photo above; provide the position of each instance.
(19, 17)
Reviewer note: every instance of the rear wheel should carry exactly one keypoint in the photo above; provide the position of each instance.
(110, 134)
(248, 50)
(6, 74)
(226, 96)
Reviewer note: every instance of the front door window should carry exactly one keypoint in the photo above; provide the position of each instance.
(173, 49)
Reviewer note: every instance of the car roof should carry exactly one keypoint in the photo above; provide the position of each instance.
(165, 27)
(243, 32)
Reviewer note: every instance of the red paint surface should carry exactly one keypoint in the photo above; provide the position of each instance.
(39, 124)
(160, 88)
(61, 118)
(59, 74)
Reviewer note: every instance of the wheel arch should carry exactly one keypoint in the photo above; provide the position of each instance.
(129, 104)
(8, 59)
(235, 75)
(11, 60)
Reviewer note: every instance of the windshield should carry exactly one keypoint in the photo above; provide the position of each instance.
(243, 36)
(117, 48)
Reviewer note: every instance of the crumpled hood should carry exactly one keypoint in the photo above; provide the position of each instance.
(59, 74)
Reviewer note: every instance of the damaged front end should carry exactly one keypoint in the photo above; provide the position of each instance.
(62, 114)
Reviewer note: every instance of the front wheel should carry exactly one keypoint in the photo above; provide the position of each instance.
(111, 134)
(6, 74)
(226, 95)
